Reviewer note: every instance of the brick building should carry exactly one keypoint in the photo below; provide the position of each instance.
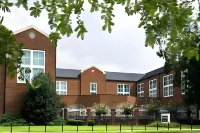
(80, 89)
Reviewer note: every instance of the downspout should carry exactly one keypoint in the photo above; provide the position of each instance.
(4, 98)
(159, 87)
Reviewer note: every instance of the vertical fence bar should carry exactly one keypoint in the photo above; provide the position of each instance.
(29, 127)
(180, 126)
(145, 126)
(92, 128)
(191, 126)
(77, 127)
(11, 128)
(45, 128)
(168, 125)
(131, 127)
(120, 127)
(62, 127)
(157, 126)
(106, 127)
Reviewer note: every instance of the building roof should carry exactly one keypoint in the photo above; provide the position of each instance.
(153, 73)
(72, 73)
(67, 73)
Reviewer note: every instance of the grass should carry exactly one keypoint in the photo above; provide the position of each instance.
(98, 129)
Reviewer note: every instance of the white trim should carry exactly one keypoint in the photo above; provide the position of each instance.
(140, 92)
(31, 66)
(90, 88)
(59, 88)
(94, 67)
(169, 85)
(29, 27)
(123, 93)
(153, 88)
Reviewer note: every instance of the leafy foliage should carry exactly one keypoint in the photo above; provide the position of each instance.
(57, 122)
(41, 105)
(153, 108)
(91, 123)
(15, 120)
(100, 109)
(160, 124)
(75, 122)
(127, 109)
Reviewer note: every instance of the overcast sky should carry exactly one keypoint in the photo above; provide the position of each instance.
(123, 50)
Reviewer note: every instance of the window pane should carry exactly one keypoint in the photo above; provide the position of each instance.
(26, 58)
(57, 85)
(37, 70)
(171, 90)
(38, 58)
(165, 91)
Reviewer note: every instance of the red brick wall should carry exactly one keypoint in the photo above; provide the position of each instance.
(97, 77)
(111, 87)
(14, 91)
(73, 86)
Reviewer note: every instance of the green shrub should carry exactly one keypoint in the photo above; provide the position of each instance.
(75, 122)
(91, 123)
(15, 120)
(58, 121)
(41, 103)
(160, 124)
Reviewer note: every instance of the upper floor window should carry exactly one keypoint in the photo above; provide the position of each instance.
(153, 88)
(61, 87)
(93, 88)
(33, 60)
(140, 90)
(168, 85)
(123, 89)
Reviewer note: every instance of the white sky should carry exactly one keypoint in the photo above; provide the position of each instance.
(123, 50)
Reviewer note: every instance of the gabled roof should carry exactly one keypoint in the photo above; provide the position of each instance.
(123, 76)
(29, 27)
(153, 73)
(67, 73)
(94, 67)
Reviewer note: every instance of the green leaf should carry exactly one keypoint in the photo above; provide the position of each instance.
(37, 86)
(1, 19)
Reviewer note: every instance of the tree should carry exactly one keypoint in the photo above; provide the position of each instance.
(100, 110)
(153, 108)
(164, 21)
(127, 109)
(41, 104)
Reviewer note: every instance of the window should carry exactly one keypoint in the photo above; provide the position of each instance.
(61, 87)
(93, 88)
(123, 89)
(168, 85)
(153, 88)
(140, 90)
(33, 60)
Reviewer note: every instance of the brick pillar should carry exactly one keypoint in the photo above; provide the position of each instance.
(136, 115)
(65, 113)
(88, 114)
(113, 116)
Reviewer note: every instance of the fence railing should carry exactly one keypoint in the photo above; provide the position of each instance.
(101, 117)
(124, 117)
(77, 117)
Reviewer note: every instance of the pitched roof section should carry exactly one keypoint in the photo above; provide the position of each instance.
(67, 73)
(94, 67)
(153, 73)
(29, 27)
(123, 76)
(71, 73)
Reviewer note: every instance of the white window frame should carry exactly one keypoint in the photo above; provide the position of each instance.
(59, 88)
(31, 66)
(123, 93)
(153, 88)
(91, 91)
(139, 88)
(169, 85)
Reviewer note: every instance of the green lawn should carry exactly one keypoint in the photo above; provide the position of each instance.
(97, 129)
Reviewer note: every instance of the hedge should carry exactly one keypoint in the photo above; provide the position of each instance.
(160, 124)
(75, 122)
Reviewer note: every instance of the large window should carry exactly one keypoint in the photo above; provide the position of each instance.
(61, 87)
(152, 88)
(123, 89)
(93, 88)
(33, 60)
(168, 85)
(140, 90)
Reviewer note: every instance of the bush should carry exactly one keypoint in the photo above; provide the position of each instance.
(91, 123)
(160, 124)
(41, 104)
(75, 122)
(15, 120)
(58, 121)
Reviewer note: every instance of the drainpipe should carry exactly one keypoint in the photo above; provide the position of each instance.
(159, 87)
